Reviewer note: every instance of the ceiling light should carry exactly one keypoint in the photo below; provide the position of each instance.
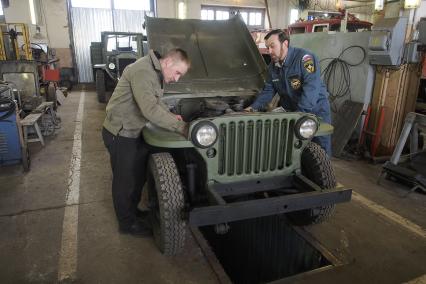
(181, 10)
(411, 4)
(32, 12)
(378, 5)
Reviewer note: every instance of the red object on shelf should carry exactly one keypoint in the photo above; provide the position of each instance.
(51, 75)
(424, 66)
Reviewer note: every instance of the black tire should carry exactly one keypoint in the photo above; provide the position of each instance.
(66, 84)
(100, 85)
(51, 95)
(316, 166)
(166, 201)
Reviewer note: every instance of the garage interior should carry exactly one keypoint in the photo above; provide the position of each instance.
(57, 220)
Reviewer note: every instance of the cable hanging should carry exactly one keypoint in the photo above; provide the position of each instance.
(337, 75)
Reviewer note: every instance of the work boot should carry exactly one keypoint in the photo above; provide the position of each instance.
(138, 228)
(142, 214)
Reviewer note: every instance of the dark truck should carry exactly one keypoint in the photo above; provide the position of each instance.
(110, 56)
(233, 165)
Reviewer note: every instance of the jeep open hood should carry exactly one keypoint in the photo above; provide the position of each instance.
(223, 54)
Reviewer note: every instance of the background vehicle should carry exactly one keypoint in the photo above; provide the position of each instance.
(329, 24)
(110, 56)
(233, 165)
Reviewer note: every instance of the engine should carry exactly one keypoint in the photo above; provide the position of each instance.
(193, 108)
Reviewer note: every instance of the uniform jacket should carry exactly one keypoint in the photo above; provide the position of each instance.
(298, 82)
(137, 100)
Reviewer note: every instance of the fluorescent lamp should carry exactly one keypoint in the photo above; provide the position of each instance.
(294, 15)
(378, 5)
(182, 10)
(411, 4)
(32, 12)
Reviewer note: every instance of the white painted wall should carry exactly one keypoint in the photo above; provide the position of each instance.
(56, 21)
(397, 9)
(420, 12)
(392, 9)
(51, 18)
(17, 12)
(280, 13)
(166, 8)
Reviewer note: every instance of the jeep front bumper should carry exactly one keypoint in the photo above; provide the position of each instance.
(311, 197)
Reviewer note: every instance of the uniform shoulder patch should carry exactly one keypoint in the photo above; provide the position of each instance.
(308, 63)
(295, 83)
(307, 57)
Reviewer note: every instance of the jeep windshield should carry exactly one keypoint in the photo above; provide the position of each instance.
(122, 43)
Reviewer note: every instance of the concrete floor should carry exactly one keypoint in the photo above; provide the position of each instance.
(374, 247)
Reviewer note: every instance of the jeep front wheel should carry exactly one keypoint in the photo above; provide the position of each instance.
(316, 166)
(166, 201)
(100, 85)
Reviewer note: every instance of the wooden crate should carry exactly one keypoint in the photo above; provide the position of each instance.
(396, 91)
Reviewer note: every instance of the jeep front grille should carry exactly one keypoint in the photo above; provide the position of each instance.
(123, 62)
(255, 146)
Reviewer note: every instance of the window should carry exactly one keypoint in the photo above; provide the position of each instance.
(207, 14)
(320, 28)
(253, 17)
(140, 5)
(143, 5)
(1, 9)
(244, 16)
(122, 43)
(222, 15)
(106, 4)
(294, 16)
(298, 30)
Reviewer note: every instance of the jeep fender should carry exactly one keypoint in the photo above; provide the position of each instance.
(104, 68)
(160, 137)
(324, 129)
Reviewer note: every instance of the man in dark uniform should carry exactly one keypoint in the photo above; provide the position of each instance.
(295, 76)
(135, 102)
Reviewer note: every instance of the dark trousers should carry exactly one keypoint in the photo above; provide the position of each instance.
(129, 157)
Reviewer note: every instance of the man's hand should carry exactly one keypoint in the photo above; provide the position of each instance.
(249, 109)
(179, 117)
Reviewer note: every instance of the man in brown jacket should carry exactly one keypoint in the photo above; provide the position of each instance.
(135, 102)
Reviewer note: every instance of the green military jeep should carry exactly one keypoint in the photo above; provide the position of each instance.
(233, 165)
(110, 56)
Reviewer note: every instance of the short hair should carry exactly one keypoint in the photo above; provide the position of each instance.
(282, 36)
(178, 54)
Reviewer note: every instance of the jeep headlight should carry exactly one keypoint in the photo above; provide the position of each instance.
(204, 134)
(306, 127)
(111, 66)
